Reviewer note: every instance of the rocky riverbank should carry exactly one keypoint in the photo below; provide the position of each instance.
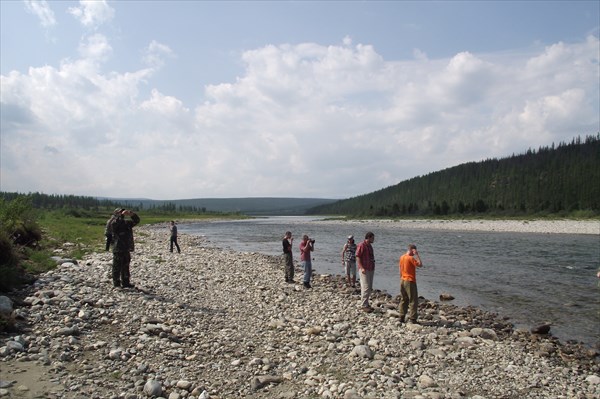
(209, 323)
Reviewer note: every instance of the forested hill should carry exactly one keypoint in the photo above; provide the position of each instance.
(562, 181)
(254, 206)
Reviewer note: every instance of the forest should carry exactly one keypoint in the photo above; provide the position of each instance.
(562, 180)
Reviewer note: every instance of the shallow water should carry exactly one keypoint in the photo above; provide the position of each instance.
(531, 278)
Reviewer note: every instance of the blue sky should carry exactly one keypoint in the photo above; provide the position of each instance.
(191, 99)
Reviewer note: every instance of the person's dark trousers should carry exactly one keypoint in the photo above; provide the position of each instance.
(120, 269)
(174, 241)
(289, 267)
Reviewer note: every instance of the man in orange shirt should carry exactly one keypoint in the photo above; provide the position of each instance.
(408, 283)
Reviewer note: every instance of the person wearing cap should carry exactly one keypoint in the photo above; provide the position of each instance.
(365, 261)
(409, 297)
(349, 261)
(122, 231)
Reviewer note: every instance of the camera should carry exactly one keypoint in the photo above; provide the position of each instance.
(312, 240)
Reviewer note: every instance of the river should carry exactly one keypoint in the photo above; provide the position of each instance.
(530, 278)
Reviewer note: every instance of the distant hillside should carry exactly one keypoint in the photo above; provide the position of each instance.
(246, 206)
(564, 181)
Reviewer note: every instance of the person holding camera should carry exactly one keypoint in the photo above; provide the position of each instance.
(306, 247)
(349, 261)
(287, 253)
(365, 260)
(409, 297)
(122, 236)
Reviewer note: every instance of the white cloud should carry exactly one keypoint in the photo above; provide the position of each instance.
(302, 120)
(42, 10)
(155, 54)
(92, 13)
(95, 48)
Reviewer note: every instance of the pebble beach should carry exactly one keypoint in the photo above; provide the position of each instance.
(516, 226)
(213, 323)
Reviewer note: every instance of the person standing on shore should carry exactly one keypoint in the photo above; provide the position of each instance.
(306, 247)
(409, 297)
(173, 229)
(289, 260)
(349, 261)
(365, 260)
(122, 230)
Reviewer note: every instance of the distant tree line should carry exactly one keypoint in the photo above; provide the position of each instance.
(561, 180)
(72, 202)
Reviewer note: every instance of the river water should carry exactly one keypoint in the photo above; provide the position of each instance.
(530, 278)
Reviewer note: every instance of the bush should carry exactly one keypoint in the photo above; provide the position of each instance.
(9, 264)
(18, 230)
(27, 234)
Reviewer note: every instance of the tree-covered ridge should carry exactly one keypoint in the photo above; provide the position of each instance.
(248, 206)
(562, 180)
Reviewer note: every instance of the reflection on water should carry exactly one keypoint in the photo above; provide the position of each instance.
(531, 278)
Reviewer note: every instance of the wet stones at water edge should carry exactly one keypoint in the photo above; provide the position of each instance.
(541, 330)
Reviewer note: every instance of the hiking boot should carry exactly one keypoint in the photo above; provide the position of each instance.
(367, 309)
(128, 285)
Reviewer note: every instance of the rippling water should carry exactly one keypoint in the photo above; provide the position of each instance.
(531, 278)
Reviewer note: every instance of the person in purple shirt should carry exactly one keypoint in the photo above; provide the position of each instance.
(365, 261)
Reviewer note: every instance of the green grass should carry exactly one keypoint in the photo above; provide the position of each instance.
(83, 230)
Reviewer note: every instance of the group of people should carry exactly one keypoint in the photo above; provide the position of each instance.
(306, 247)
(119, 236)
(361, 257)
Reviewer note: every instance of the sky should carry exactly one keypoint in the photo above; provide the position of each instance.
(307, 99)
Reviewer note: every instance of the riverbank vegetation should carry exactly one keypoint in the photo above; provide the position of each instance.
(559, 181)
(34, 226)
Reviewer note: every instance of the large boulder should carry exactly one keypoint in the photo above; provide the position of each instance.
(6, 306)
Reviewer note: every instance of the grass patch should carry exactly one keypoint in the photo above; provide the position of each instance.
(37, 261)
(85, 229)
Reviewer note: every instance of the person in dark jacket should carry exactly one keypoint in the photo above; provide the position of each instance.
(287, 253)
(122, 242)
(173, 229)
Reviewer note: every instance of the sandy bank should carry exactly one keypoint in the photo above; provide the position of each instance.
(516, 226)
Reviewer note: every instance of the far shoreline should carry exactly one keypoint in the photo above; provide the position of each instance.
(562, 226)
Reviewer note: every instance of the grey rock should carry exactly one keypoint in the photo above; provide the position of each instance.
(153, 388)
(264, 380)
(362, 351)
(6, 305)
